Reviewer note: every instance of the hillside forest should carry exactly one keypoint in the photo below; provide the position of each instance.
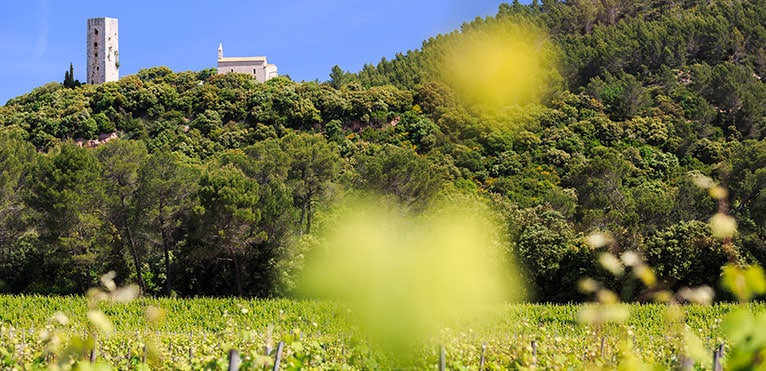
(194, 183)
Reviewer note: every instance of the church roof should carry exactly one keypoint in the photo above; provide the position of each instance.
(242, 59)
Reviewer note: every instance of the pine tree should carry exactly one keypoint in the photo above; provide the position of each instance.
(69, 81)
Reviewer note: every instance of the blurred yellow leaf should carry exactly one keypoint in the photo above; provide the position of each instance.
(108, 281)
(718, 193)
(61, 318)
(155, 315)
(744, 283)
(694, 347)
(125, 294)
(599, 240)
(99, 319)
(700, 295)
(645, 274)
(723, 225)
(630, 258)
(611, 263)
(597, 314)
(607, 296)
(588, 285)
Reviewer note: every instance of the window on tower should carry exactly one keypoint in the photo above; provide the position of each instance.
(95, 45)
(96, 31)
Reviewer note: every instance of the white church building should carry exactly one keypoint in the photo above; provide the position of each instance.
(257, 67)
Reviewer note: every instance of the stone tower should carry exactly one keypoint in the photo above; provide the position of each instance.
(103, 50)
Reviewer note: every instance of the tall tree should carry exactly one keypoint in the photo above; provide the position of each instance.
(399, 172)
(163, 202)
(747, 182)
(69, 80)
(121, 160)
(15, 221)
(314, 164)
(338, 77)
(229, 214)
(267, 164)
(67, 189)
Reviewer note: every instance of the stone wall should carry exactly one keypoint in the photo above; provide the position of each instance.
(103, 56)
(253, 66)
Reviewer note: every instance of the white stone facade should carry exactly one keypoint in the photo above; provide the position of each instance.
(103, 51)
(257, 67)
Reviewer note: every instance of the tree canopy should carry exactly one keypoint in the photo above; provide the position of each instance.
(201, 184)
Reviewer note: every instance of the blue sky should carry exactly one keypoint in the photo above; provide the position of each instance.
(304, 38)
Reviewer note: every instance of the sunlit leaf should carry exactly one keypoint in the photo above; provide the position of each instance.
(723, 225)
(100, 321)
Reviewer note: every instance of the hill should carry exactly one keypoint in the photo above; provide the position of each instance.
(645, 119)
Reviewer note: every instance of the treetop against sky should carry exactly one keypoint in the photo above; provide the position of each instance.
(304, 38)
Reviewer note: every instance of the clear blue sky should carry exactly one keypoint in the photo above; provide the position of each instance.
(304, 38)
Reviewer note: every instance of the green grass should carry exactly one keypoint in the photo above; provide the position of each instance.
(319, 335)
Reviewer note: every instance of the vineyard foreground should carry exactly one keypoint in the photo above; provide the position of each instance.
(196, 333)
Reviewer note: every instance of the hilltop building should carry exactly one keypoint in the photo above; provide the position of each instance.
(103, 51)
(254, 66)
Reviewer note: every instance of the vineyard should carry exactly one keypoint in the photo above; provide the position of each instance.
(36, 332)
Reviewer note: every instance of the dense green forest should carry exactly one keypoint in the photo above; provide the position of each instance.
(203, 184)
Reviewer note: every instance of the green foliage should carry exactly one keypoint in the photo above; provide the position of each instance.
(208, 121)
(163, 200)
(552, 254)
(120, 161)
(740, 326)
(69, 81)
(747, 182)
(639, 100)
(398, 172)
(17, 237)
(686, 254)
(313, 166)
(67, 190)
(198, 333)
(228, 211)
(623, 96)
(338, 77)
